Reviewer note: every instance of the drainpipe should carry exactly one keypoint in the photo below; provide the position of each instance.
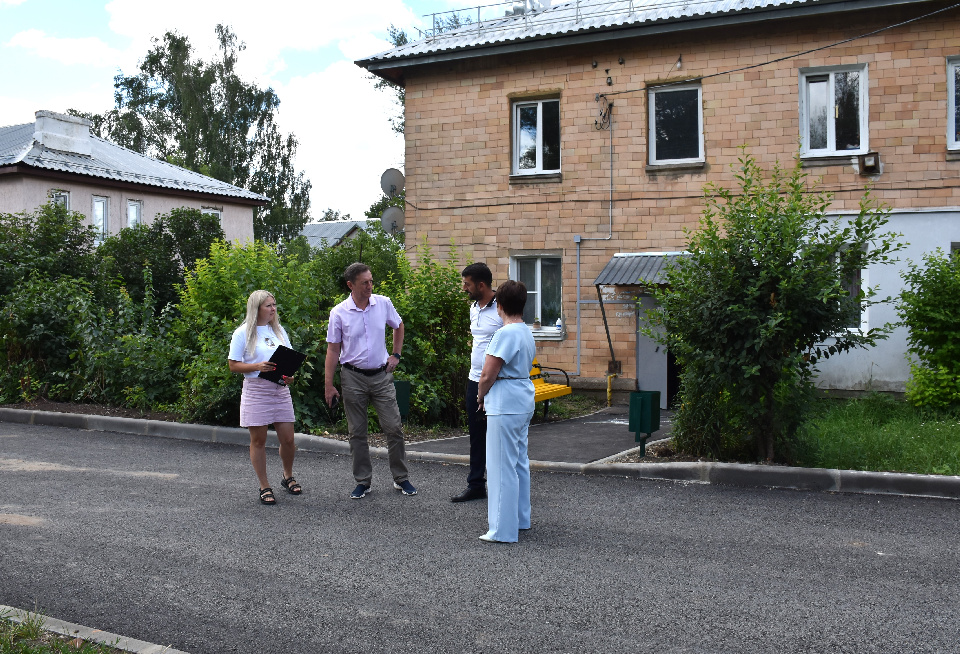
(605, 117)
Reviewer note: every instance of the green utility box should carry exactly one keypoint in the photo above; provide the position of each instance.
(644, 414)
(403, 397)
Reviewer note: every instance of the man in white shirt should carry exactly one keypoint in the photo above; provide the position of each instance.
(484, 322)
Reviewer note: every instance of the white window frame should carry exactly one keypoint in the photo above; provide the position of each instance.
(60, 196)
(831, 149)
(953, 139)
(864, 314)
(139, 207)
(213, 212)
(652, 124)
(515, 139)
(104, 230)
(546, 331)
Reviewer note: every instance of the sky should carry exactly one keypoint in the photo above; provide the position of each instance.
(64, 54)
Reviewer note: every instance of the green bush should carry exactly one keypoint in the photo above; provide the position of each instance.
(930, 308)
(170, 246)
(49, 243)
(746, 311)
(436, 350)
(41, 338)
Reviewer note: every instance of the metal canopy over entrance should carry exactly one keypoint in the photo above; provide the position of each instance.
(644, 269)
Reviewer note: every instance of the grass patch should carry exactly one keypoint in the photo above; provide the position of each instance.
(882, 434)
(30, 637)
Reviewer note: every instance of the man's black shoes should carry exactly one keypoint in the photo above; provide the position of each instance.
(470, 494)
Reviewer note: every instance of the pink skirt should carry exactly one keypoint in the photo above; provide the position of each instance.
(264, 403)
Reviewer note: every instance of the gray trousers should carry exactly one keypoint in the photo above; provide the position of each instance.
(358, 392)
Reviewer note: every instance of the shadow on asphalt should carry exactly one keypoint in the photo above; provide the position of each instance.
(578, 440)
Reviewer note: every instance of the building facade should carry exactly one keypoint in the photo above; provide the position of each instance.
(56, 158)
(548, 143)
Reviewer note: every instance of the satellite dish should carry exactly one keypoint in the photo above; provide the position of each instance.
(391, 182)
(392, 219)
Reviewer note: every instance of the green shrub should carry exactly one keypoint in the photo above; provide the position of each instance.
(41, 338)
(49, 243)
(744, 313)
(213, 304)
(930, 308)
(436, 350)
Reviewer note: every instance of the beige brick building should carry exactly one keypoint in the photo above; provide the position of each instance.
(528, 146)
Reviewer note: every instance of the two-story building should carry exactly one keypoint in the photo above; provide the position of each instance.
(56, 158)
(568, 146)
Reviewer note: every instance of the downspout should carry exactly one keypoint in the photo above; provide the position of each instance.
(605, 120)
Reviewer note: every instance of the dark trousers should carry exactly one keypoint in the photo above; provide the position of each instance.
(477, 423)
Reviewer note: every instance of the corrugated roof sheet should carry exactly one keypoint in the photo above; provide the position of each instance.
(110, 161)
(571, 17)
(331, 232)
(629, 269)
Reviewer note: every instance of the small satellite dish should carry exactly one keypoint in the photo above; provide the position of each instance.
(392, 219)
(391, 182)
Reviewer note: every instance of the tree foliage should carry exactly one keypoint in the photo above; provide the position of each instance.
(201, 116)
(169, 247)
(930, 308)
(398, 37)
(762, 296)
(50, 242)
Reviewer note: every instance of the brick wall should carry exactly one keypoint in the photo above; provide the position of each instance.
(458, 146)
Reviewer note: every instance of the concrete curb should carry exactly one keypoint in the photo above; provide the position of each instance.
(729, 474)
(71, 630)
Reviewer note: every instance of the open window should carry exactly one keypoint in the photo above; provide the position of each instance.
(833, 111)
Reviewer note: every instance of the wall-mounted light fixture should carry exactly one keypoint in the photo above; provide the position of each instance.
(679, 63)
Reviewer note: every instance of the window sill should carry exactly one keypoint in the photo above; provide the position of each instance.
(953, 155)
(686, 166)
(544, 178)
(831, 160)
(548, 334)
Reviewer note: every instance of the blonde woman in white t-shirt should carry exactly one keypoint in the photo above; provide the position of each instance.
(262, 402)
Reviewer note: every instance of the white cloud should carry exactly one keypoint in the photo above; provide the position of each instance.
(288, 25)
(86, 51)
(345, 140)
(15, 110)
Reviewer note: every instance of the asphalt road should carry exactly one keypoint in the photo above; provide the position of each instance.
(165, 541)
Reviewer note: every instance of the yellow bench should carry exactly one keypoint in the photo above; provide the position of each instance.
(545, 391)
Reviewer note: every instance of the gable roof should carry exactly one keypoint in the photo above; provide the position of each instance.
(584, 21)
(331, 232)
(20, 147)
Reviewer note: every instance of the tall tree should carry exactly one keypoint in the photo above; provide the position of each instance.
(398, 37)
(202, 116)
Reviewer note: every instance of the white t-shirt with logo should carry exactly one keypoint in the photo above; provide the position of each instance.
(267, 343)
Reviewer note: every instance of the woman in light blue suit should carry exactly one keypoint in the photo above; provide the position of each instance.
(506, 394)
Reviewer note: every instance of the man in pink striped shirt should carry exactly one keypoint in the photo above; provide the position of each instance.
(356, 339)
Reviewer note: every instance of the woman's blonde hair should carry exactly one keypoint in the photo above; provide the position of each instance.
(254, 302)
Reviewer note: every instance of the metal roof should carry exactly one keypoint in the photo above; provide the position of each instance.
(110, 161)
(585, 20)
(331, 232)
(630, 269)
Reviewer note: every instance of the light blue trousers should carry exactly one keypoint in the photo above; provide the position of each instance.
(508, 476)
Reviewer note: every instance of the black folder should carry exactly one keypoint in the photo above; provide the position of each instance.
(288, 362)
